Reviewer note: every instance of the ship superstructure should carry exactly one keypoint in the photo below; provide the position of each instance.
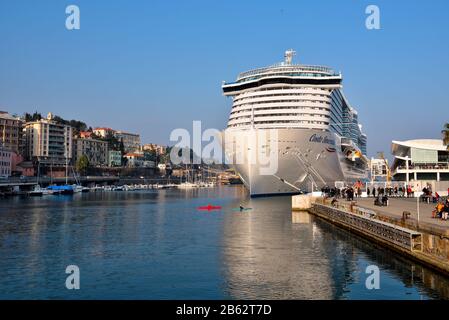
(301, 108)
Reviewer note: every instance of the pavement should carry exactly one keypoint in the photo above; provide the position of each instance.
(397, 206)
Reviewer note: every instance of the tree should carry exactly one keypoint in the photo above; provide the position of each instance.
(149, 156)
(77, 126)
(445, 133)
(82, 164)
(36, 116)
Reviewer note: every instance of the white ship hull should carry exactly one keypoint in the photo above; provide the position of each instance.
(307, 160)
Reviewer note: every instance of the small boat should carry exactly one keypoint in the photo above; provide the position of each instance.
(241, 209)
(77, 188)
(36, 192)
(187, 185)
(64, 189)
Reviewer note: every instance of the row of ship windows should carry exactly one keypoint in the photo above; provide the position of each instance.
(337, 94)
(290, 88)
(240, 98)
(278, 122)
(281, 108)
(282, 101)
(249, 105)
(285, 91)
(333, 114)
(283, 115)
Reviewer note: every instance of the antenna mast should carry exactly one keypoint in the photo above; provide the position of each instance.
(289, 56)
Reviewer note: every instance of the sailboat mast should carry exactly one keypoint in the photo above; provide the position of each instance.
(38, 172)
(66, 170)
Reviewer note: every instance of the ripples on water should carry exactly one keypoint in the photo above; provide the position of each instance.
(156, 245)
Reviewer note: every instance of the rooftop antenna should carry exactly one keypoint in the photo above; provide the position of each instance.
(289, 56)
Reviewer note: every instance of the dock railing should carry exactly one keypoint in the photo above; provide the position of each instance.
(364, 221)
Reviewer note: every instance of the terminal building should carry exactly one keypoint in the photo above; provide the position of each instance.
(423, 160)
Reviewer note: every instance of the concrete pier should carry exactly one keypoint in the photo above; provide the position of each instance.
(302, 202)
(426, 240)
(396, 207)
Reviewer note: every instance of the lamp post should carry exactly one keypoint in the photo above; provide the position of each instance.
(406, 170)
(417, 206)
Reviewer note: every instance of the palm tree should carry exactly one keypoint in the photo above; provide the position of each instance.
(445, 133)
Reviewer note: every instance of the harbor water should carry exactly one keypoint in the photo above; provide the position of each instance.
(156, 244)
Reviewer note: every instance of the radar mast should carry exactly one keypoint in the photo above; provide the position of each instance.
(289, 56)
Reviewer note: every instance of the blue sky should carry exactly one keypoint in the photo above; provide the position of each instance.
(152, 66)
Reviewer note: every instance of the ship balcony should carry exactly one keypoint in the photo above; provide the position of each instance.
(288, 69)
(293, 98)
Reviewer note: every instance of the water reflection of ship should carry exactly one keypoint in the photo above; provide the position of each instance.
(267, 257)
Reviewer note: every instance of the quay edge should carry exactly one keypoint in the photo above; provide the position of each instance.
(434, 250)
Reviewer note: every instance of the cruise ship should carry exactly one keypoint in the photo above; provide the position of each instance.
(298, 118)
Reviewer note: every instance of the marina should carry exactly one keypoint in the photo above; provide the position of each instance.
(71, 189)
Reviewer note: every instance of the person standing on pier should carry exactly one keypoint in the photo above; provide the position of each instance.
(445, 211)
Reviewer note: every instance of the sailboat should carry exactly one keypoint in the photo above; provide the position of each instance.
(63, 189)
(38, 191)
(187, 184)
(77, 187)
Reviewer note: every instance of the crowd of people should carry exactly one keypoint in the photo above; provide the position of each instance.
(393, 191)
(381, 196)
(351, 192)
(348, 192)
(428, 196)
